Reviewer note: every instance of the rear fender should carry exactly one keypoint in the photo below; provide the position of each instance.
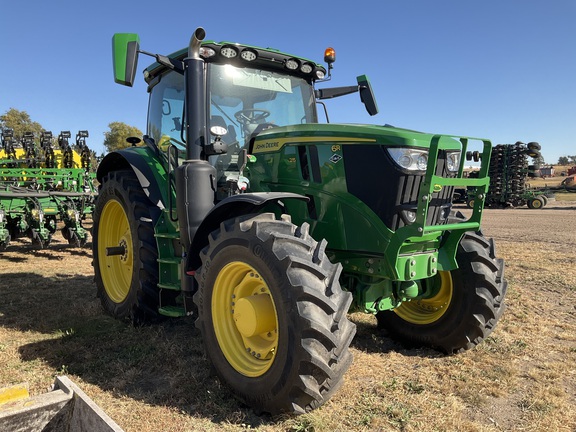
(147, 167)
(229, 208)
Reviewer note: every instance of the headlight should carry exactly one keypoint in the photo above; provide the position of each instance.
(207, 52)
(292, 64)
(229, 52)
(452, 161)
(408, 158)
(306, 68)
(248, 55)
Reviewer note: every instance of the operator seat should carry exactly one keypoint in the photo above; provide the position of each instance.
(231, 136)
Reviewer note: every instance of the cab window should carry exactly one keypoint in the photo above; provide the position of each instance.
(166, 111)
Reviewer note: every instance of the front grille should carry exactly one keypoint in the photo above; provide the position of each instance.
(389, 191)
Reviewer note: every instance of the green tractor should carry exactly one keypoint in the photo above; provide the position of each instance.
(240, 209)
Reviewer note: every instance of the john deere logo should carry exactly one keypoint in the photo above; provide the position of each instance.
(335, 158)
(437, 188)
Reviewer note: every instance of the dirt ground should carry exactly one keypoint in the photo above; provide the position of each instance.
(155, 378)
(540, 269)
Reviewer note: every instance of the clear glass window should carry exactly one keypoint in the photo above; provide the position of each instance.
(246, 100)
(166, 111)
(243, 100)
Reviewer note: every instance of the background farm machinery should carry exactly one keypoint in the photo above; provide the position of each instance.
(43, 184)
(509, 170)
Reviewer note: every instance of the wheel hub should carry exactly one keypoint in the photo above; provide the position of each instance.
(245, 319)
(114, 251)
(431, 309)
(254, 315)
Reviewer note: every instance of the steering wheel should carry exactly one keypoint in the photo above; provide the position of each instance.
(251, 116)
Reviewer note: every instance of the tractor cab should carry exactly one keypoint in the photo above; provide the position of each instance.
(243, 101)
(248, 90)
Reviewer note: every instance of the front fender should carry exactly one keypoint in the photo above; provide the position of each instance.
(148, 169)
(229, 208)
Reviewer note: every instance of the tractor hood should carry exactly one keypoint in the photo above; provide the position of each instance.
(346, 166)
(274, 139)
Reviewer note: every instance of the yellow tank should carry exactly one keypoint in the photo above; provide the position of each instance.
(21, 156)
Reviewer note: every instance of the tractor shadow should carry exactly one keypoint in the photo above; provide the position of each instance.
(374, 340)
(59, 322)
(21, 249)
(84, 251)
(160, 365)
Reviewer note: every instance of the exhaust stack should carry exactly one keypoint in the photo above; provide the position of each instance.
(194, 75)
(195, 177)
(195, 41)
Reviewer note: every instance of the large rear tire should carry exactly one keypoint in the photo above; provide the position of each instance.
(126, 279)
(272, 314)
(465, 305)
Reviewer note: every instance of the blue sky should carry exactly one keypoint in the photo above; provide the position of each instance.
(502, 70)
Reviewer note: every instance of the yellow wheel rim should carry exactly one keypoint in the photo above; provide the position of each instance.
(115, 270)
(245, 319)
(429, 310)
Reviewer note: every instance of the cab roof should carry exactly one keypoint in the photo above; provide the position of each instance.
(247, 56)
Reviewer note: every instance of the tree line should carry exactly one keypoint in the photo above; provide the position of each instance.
(567, 160)
(20, 122)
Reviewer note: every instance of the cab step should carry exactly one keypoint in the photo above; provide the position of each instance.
(170, 286)
(170, 260)
(167, 235)
(172, 311)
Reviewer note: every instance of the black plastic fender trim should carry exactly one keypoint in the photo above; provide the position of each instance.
(233, 206)
(128, 159)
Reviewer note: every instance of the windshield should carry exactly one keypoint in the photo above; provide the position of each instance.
(246, 101)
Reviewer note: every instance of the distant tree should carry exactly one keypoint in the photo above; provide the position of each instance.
(115, 138)
(19, 121)
(572, 160)
(563, 160)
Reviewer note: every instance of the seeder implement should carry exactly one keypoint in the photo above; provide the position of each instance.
(40, 187)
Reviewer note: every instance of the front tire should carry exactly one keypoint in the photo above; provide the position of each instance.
(126, 279)
(465, 306)
(272, 314)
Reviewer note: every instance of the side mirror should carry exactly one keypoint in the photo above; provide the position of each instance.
(125, 48)
(367, 95)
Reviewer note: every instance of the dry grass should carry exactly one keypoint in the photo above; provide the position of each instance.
(155, 378)
(565, 196)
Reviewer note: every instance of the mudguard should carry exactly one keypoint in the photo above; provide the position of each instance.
(151, 175)
(142, 161)
(231, 207)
